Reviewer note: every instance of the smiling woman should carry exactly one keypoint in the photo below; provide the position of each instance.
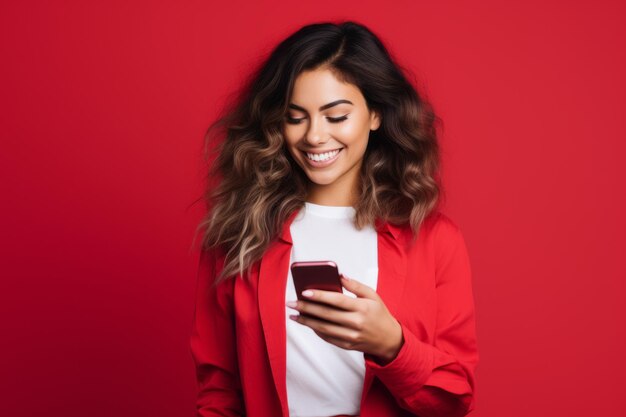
(328, 143)
(331, 154)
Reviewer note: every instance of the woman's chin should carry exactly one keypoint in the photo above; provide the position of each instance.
(318, 179)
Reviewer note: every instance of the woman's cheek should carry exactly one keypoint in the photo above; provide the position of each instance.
(291, 134)
(350, 131)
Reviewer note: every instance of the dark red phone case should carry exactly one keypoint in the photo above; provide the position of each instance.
(321, 275)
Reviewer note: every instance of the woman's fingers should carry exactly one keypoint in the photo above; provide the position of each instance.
(329, 328)
(334, 298)
(328, 313)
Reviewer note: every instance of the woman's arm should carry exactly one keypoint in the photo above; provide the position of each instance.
(438, 380)
(213, 344)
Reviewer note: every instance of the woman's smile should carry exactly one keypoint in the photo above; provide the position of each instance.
(321, 160)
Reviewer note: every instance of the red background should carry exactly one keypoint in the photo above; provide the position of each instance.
(104, 106)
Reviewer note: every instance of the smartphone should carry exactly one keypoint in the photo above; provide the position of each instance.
(321, 275)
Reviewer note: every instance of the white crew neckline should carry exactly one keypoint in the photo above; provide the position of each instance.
(335, 212)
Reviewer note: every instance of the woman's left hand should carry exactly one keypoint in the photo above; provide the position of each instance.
(363, 323)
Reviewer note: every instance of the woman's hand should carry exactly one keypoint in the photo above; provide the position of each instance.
(361, 323)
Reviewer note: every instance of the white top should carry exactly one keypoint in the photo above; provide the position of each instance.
(324, 379)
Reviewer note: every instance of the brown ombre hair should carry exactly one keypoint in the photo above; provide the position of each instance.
(253, 183)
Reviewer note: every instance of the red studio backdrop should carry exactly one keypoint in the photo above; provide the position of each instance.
(104, 107)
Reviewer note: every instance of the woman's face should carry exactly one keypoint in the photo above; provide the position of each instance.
(326, 130)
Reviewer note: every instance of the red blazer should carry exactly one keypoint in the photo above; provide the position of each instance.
(238, 338)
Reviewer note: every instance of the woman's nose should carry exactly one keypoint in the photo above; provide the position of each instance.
(315, 135)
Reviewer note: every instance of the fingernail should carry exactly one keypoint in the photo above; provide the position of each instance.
(307, 293)
(291, 304)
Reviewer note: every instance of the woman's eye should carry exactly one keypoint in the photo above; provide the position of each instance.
(337, 119)
(295, 121)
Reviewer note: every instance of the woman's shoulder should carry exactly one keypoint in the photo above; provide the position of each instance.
(437, 225)
(437, 231)
(442, 223)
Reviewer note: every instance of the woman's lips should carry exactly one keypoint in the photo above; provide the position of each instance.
(322, 164)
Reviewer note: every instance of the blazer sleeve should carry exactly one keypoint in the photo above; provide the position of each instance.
(436, 380)
(213, 343)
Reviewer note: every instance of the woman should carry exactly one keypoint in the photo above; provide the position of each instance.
(331, 154)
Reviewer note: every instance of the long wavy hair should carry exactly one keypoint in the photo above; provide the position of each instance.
(254, 184)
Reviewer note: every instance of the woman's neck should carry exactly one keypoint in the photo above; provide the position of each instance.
(324, 198)
(342, 192)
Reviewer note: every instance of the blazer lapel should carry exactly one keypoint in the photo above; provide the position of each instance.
(272, 283)
(272, 286)
(391, 278)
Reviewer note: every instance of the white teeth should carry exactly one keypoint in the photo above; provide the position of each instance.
(322, 157)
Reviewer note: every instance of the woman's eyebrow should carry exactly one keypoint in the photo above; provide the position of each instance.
(324, 107)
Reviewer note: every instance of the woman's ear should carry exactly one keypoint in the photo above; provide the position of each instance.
(375, 119)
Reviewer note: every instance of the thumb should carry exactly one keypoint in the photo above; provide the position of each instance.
(358, 288)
